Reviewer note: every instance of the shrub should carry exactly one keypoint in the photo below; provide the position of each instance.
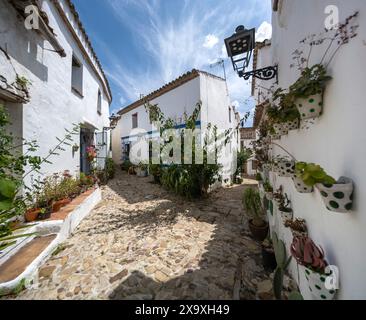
(253, 206)
(110, 168)
(125, 165)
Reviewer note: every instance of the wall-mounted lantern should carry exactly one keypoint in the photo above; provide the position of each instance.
(240, 48)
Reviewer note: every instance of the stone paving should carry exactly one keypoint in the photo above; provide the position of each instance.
(142, 242)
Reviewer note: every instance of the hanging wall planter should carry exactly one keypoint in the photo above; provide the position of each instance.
(339, 196)
(316, 284)
(286, 169)
(291, 125)
(310, 107)
(300, 186)
(280, 129)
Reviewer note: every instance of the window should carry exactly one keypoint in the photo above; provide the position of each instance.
(77, 76)
(99, 106)
(230, 115)
(134, 121)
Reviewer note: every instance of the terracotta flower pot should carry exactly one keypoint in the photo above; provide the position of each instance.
(259, 233)
(57, 205)
(310, 107)
(338, 197)
(32, 215)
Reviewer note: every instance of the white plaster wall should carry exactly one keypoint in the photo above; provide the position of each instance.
(53, 106)
(173, 104)
(215, 110)
(336, 141)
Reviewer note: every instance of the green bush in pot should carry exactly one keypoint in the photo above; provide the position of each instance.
(253, 209)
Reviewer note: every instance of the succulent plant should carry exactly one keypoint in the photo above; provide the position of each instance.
(282, 265)
(312, 174)
(267, 186)
(308, 254)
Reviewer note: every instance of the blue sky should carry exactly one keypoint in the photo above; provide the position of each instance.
(143, 44)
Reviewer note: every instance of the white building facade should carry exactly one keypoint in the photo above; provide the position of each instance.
(175, 100)
(66, 82)
(335, 140)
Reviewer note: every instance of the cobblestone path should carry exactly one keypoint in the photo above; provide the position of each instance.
(142, 242)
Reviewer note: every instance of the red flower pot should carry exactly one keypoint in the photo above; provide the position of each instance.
(57, 205)
(32, 215)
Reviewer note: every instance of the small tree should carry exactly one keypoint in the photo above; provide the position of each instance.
(253, 206)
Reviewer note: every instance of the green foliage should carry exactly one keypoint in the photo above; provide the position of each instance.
(312, 81)
(242, 158)
(258, 177)
(267, 186)
(253, 206)
(282, 265)
(284, 108)
(110, 168)
(191, 180)
(126, 165)
(295, 296)
(312, 174)
(17, 161)
(156, 171)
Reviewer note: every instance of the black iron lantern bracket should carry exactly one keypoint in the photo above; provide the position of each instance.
(267, 73)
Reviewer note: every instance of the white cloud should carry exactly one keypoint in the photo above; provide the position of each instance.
(173, 44)
(264, 32)
(210, 41)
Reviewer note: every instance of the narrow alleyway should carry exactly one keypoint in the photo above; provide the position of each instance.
(142, 242)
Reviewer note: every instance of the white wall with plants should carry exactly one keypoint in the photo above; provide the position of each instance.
(311, 143)
(46, 75)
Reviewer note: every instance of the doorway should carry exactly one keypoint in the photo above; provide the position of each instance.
(86, 140)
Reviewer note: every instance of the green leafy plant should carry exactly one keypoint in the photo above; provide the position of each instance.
(282, 264)
(126, 165)
(258, 177)
(284, 108)
(312, 174)
(242, 158)
(110, 168)
(253, 206)
(267, 186)
(312, 81)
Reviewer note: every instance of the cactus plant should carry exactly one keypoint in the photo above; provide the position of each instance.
(282, 265)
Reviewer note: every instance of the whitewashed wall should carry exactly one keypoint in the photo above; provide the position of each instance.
(53, 106)
(336, 141)
(209, 90)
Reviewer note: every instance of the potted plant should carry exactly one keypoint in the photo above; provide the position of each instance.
(268, 189)
(308, 91)
(268, 255)
(32, 214)
(141, 170)
(259, 178)
(299, 184)
(283, 204)
(297, 226)
(311, 258)
(337, 195)
(253, 209)
(91, 153)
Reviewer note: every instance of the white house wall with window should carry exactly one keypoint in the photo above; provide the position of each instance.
(336, 140)
(176, 99)
(68, 85)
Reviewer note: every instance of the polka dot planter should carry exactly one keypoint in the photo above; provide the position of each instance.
(339, 197)
(310, 107)
(300, 186)
(292, 125)
(285, 215)
(316, 284)
(280, 129)
(286, 169)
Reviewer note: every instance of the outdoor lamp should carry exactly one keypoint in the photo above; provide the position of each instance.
(239, 48)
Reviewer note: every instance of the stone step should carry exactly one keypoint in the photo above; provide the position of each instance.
(17, 264)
